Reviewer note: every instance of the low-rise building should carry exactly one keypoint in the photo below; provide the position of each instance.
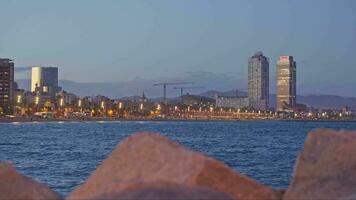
(231, 102)
(195, 100)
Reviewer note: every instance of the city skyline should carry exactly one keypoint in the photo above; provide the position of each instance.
(154, 40)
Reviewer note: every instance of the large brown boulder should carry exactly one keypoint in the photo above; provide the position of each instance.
(15, 186)
(326, 167)
(150, 158)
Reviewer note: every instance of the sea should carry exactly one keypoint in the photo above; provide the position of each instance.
(63, 154)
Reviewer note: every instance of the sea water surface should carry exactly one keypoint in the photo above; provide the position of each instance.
(63, 154)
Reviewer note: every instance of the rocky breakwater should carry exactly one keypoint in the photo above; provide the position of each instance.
(16, 186)
(326, 167)
(146, 159)
(149, 166)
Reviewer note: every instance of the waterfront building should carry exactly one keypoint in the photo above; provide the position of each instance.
(45, 79)
(6, 85)
(231, 102)
(286, 82)
(66, 98)
(196, 100)
(258, 81)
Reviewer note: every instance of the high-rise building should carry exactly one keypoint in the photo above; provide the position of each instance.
(6, 85)
(258, 81)
(45, 79)
(286, 82)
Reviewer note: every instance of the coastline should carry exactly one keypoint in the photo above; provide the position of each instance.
(41, 120)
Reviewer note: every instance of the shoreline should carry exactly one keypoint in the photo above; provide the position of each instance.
(39, 120)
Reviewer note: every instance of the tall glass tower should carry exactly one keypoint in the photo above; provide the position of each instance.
(286, 82)
(258, 81)
(6, 85)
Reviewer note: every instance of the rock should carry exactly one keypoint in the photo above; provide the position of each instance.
(15, 186)
(166, 191)
(150, 158)
(326, 167)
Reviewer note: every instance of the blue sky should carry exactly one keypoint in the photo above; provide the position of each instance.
(117, 40)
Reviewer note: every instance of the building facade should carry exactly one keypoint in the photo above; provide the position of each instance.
(286, 82)
(232, 102)
(258, 81)
(6, 85)
(45, 79)
(196, 100)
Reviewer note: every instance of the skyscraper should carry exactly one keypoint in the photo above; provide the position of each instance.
(286, 82)
(6, 85)
(45, 79)
(258, 81)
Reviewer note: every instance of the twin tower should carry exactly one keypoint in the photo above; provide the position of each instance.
(258, 82)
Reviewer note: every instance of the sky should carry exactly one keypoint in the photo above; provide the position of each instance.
(124, 40)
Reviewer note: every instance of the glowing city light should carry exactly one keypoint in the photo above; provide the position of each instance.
(61, 102)
(79, 103)
(141, 106)
(120, 105)
(37, 100)
(19, 98)
(102, 104)
(158, 107)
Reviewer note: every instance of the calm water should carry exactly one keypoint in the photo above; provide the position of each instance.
(62, 155)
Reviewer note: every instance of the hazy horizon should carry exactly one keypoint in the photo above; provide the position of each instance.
(123, 41)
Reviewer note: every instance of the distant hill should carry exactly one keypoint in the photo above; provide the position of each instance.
(230, 93)
(327, 101)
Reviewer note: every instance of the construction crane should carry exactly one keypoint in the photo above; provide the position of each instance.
(164, 84)
(185, 88)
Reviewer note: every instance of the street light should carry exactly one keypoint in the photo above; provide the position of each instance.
(141, 106)
(102, 105)
(120, 105)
